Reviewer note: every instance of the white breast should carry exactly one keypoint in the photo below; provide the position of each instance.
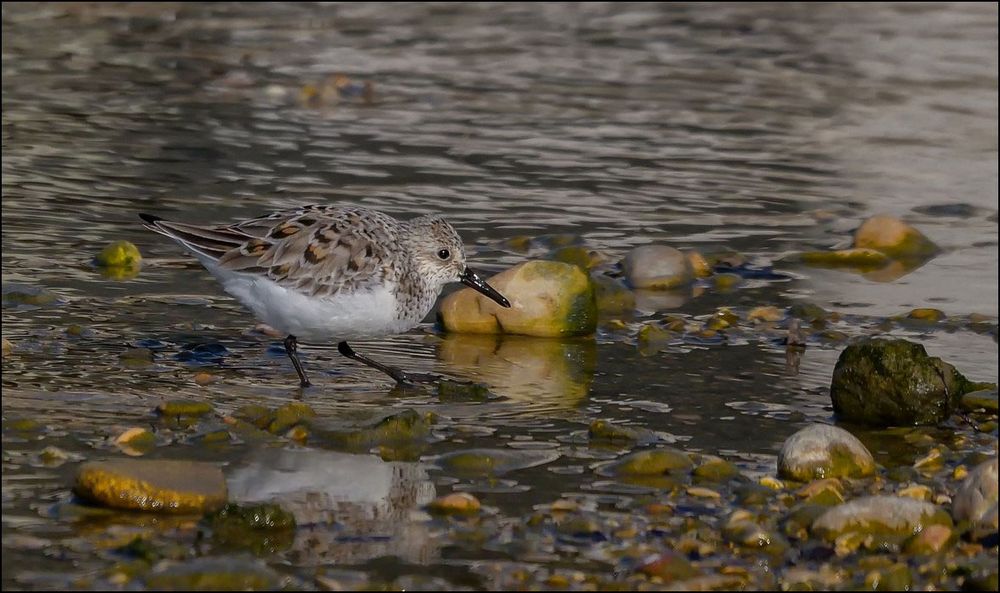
(344, 316)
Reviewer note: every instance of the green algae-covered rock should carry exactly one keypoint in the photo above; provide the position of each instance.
(577, 255)
(648, 463)
(822, 451)
(714, 469)
(894, 238)
(879, 515)
(152, 485)
(493, 462)
(894, 382)
(548, 299)
(657, 267)
(668, 566)
(985, 399)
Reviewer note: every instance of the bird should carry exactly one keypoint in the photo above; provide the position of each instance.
(321, 273)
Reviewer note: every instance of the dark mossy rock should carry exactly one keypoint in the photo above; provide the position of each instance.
(894, 382)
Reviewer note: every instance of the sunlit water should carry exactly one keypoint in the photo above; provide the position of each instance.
(757, 128)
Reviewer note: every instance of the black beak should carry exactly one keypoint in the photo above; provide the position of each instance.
(471, 279)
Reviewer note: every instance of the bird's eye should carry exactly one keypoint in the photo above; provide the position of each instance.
(444, 254)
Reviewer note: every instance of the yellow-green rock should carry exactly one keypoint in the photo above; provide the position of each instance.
(648, 463)
(184, 407)
(288, 416)
(8, 348)
(699, 265)
(860, 258)
(603, 431)
(765, 314)
(879, 515)
(894, 238)
(613, 298)
(548, 299)
(153, 485)
(577, 256)
(927, 314)
(985, 399)
(456, 503)
(136, 441)
(726, 281)
(119, 261)
(823, 451)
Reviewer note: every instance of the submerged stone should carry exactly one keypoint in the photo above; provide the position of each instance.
(548, 299)
(152, 485)
(822, 451)
(879, 515)
(657, 267)
(15, 295)
(894, 382)
(668, 566)
(260, 528)
(288, 416)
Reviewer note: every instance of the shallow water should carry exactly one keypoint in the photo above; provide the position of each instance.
(763, 129)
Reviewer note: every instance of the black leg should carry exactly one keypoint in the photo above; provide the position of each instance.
(399, 376)
(291, 345)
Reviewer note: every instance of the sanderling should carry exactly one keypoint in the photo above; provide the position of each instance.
(323, 273)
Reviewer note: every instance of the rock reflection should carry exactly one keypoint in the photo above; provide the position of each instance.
(548, 371)
(348, 508)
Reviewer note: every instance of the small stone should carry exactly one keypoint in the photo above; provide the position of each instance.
(699, 265)
(927, 314)
(715, 469)
(860, 259)
(136, 357)
(647, 463)
(727, 281)
(879, 515)
(895, 238)
(613, 298)
(288, 416)
(827, 492)
(456, 503)
(932, 540)
(607, 432)
(984, 399)
(135, 441)
(215, 573)
(976, 499)
(8, 348)
(668, 566)
(699, 492)
(184, 407)
(932, 461)
(53, 456)
(822, 451)
(578, 256)
(205, 379)
(152, 485)
(548, 299)
(657, 267)
(772, 483)
(120, 254)
(765, 314)
(917, 492)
